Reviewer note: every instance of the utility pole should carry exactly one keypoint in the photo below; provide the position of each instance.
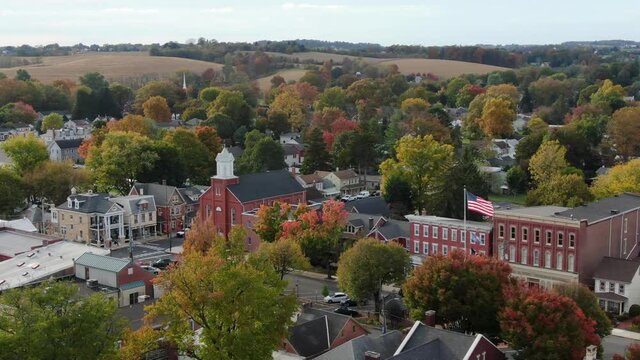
(170, 209)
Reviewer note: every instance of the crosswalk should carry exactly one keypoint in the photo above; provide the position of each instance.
(154, 252)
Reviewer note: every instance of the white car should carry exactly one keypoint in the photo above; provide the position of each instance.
(336, 298)
(347, 198)
(363, 194)
(182, 233)
(151, 269)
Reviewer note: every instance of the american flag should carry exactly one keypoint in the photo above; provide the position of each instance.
(479, 205)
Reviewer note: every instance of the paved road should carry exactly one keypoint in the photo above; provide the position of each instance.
(150, 251)
(615, 344)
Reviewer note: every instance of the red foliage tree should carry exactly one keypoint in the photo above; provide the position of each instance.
(632, 353)
(544, 325)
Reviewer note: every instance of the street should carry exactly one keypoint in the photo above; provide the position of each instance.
(150, 251)
(615, 344)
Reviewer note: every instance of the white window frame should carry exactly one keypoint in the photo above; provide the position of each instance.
(445, 233)
(525, 234)
(416, 246)
(547, 259)
(536, 257)
(560, 238)
(425, 248)
(621, 289)
(512, 253)
(572, 240)
(559, 261)
(434, 232)
(416, 229)
(537, 234)
(524, 255)
(425, 230)
(548, 237)
(571, 263)
(434, 249)
(463, 236)
(513, 232)
(500, 231)
(445, 250)
(482, 238)
(454, 234)
(472, 236)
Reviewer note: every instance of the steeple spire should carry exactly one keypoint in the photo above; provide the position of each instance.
(184, 82)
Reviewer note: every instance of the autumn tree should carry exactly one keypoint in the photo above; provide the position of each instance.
(316, 156)
(278, 122)
(201, 236)
(284, 254)
(26, 152)
(166, 89)
(507, 91)
(369, 264)
(497, 117)
(209, 94)
(632, 353)
(133, 123)
(137, 344)
(51, 321)
(588, 303)
(463, 289)
(414, 106)
(53, 181)
(52, 121)
(232, 104)
(15, 113)
(208, 136)
(270, 221)
(624, 131)
(237, 303)
(334, 97)
(608, 97)
(543, 325)
(12, 191)
(156, 108)
(196, 157)
(289, 103)
(120, 160)
(548, 161)
(620, 179)
(324, 118)
(468, 93)
(422, 161)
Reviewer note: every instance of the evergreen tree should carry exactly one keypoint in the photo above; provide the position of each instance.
(316, 156)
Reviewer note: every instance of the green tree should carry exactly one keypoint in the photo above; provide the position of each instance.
(453, 88)
(424, 163)
(284, 254)
(168, 90)
(22, 75)
(197, 159)
(53, 181)
(608, 97)
(369, 264)
(261, 153)
(26, 153)
(94, 81)
(122, 96)
(396, 191)
(52, 121)
(270, 220)
(233, 105)
(120, 160)
(238, 303)
(278, 122)
(588, 303)
(51, 321)
(12, 191)
(316, 156)
(545, 325)
(332, 97)
(548, 161)
(209, 94)
(462, 289)
(624, 131)
(290, 104)
(517, 180)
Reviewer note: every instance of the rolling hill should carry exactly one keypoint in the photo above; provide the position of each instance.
(442, 68)
(114, 66)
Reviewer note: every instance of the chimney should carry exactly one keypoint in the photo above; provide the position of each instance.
(141, 191)
(371, 355)
(370, 223)
(430, 318)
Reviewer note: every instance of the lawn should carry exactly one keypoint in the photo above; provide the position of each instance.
(516, 199)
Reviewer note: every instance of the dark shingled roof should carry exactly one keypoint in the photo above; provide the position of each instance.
(310, 338)
(449, 345)
(89, 203)
(432, 350)
(335, 321)
(617, 269)
(161, 193)
(265, 185)
(292, 149)
(611, 296)
(373, 205)
(603, 209)
(385, 345)
(394, 229)
(69, 144)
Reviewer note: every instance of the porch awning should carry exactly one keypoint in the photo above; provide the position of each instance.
(612, 297)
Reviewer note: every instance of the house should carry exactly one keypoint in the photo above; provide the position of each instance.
(171, 206)
(505, 150)
(14, 242)
(231, 199)
(53, 261)
(430, 343)
(551, 244)
(433, 235)
(90, 218)
(383, 346)
(72, 129)
(293, 156)
(317, 331)
(617, 284)
(291, 138)
(63, 150)
(128, 278)
(370, 205)
(312, 180)
(342, 182)
(377, 227)
(140, 220)
(191, 196)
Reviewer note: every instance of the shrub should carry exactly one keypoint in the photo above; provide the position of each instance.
(634, 310)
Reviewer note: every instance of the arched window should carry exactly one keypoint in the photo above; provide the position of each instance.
(524, 255)
(547, 259)
(570, 263)
(559, 261)
(536, 257)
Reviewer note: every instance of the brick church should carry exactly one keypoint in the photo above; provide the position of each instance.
(234, 199)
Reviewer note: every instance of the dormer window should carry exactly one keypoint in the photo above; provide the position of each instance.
(69, 205)
(76, 204)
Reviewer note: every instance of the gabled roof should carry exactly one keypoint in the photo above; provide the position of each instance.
(617, 269)
(106, 263)
(69, 144)
(424, 340)
(394, 229)
(373, 205)
(265, 185)
(345, 174)
(603, 209)
(310, 338)
(292, 149)
(311, 178)
(131, 203)
(161, 193)
(384, 344)
(89, 203)
(191, 194)
(611, 296)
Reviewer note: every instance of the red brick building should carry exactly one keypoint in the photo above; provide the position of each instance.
(550, 244)
(231, 198)
(432, 235)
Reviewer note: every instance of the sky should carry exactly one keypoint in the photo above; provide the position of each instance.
(409, 22)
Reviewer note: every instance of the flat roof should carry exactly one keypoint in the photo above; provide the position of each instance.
(40, 264)
(437, 220)
(540, 211)
(13, 242)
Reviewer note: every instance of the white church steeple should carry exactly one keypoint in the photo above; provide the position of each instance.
(184, 82)
(224, 164)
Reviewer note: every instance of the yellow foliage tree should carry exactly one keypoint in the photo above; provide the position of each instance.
(292, 105)
(621, 178)
(548, 161)
(133, 123)
(537, 125)
(497, 117)
(624, 131)
(413, 106)
(504, 90)
(157, 108)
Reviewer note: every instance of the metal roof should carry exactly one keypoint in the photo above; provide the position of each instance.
(132, 285)
(106, 263)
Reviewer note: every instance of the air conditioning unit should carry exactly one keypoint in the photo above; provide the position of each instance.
(143, 298)
(92, 283)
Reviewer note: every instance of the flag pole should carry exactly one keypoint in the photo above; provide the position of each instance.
(465, 219)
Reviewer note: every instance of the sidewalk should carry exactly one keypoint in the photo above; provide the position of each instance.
(626, 334)
(148, 239)
(319, 276)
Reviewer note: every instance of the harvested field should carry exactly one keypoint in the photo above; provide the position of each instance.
(442, 68)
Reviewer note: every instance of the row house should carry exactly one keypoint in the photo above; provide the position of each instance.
(171, 206)
(140, 215)
(232, 200)
(549, 244)
(333, 183)
(433, 235)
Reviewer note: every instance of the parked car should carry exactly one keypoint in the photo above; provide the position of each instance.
(348, 302)
(336, 297)
(151, 269)
(346, 198)
(344, 310)
(363, 194)
(182, 233)
(162, 263)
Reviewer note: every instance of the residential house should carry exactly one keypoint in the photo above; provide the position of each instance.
(90, 218)
(63, 150)
(341, 182)
(377, 227)
(293, 156)
(549, 244)
(72, 129)
(191, 196)
(140, 220)
(312, 180)
(505, 150)
(232, 199)
(366, 347)
(433, 235)
(291, 138)
(171, 206)
(127, 278)
(317, 331)
(617, 284)
(369, 205)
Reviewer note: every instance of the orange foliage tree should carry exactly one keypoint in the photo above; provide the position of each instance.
(157, 108)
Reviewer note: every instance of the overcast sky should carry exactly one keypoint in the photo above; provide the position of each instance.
(424, 22)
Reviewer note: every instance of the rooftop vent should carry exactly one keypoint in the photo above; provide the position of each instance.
(19, 265)
(614, 211)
